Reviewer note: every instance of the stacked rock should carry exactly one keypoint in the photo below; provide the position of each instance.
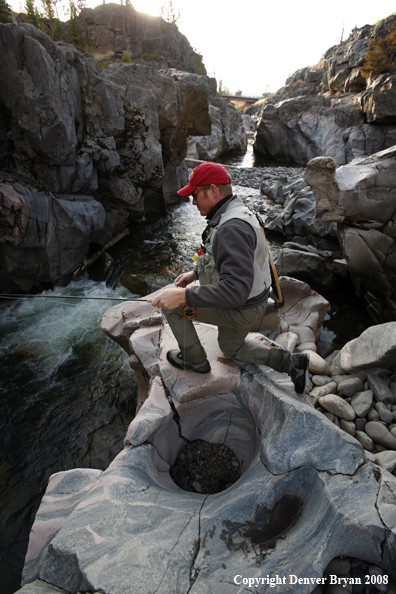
(362, 403)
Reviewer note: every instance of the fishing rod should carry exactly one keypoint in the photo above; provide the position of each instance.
(188, 311)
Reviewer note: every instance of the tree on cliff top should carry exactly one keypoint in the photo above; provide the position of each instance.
(5, 12)
(74, 31)
(48, 8)
(222, 90)
(382, 55)
(32, 14)
(169, 13)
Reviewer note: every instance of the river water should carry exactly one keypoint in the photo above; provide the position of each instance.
(67, 392)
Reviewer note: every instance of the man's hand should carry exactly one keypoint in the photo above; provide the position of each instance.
(170, 298)
(185, 279)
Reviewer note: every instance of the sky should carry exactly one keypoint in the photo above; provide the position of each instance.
(254, 47)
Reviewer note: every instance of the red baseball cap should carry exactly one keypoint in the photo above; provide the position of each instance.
(205, 174)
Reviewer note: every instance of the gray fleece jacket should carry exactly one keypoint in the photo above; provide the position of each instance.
(233, 250)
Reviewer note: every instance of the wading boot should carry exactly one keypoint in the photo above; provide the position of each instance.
(175, 358)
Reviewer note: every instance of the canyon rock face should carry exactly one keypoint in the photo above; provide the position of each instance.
(149, 38)
(76, 128)
(228, 132)
(301, 128)
(116, 136)
(43, 236)
(361, 198)
(340, 225)
(329, 109)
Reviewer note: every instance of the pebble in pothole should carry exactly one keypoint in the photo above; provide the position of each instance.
(204, 467)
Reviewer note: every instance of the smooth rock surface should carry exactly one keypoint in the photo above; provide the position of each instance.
(317, 365)
(134, 516)
(374, 347)
(317, 112)
(325, 348)
(139, 477)
(309, 267)
(288, 339)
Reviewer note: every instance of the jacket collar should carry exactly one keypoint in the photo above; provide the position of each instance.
(213, 217)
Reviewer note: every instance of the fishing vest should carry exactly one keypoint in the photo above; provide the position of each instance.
(206, 265)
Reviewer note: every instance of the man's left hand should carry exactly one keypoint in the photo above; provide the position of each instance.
(170, 298)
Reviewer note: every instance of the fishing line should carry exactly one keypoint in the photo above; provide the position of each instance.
(26, 296)
(29, 298)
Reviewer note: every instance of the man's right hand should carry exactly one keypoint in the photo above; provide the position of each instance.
(185, 279)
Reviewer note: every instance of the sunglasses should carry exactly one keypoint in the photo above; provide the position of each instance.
(195, 193)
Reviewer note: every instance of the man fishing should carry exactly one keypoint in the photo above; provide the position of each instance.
(235, 280)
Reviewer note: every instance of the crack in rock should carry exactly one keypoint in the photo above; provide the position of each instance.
(197, 547)
(177, 542)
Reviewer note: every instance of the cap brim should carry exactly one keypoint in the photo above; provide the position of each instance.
(187, 190)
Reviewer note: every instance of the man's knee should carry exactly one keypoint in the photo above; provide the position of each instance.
(228, 348)
(172, 313)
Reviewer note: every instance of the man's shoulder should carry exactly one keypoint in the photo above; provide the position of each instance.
(238, 211)
(237, 226)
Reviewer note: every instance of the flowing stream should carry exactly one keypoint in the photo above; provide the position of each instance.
(67, 392)
(67, 397)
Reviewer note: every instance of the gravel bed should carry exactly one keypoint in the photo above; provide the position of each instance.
(253, 177)
(204, 467)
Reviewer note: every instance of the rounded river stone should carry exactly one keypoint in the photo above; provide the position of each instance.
(316, 364)
(348, 426)
(380, 434)
(337, 406)
(362, 402)
(321, 380)
(385, 415)
(372, 415)
(350, 386)
(365, 440)
(387, 460)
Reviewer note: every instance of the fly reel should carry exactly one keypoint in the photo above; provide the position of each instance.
(189, 312)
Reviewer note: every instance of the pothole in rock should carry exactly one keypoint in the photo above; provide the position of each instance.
(204, 467)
